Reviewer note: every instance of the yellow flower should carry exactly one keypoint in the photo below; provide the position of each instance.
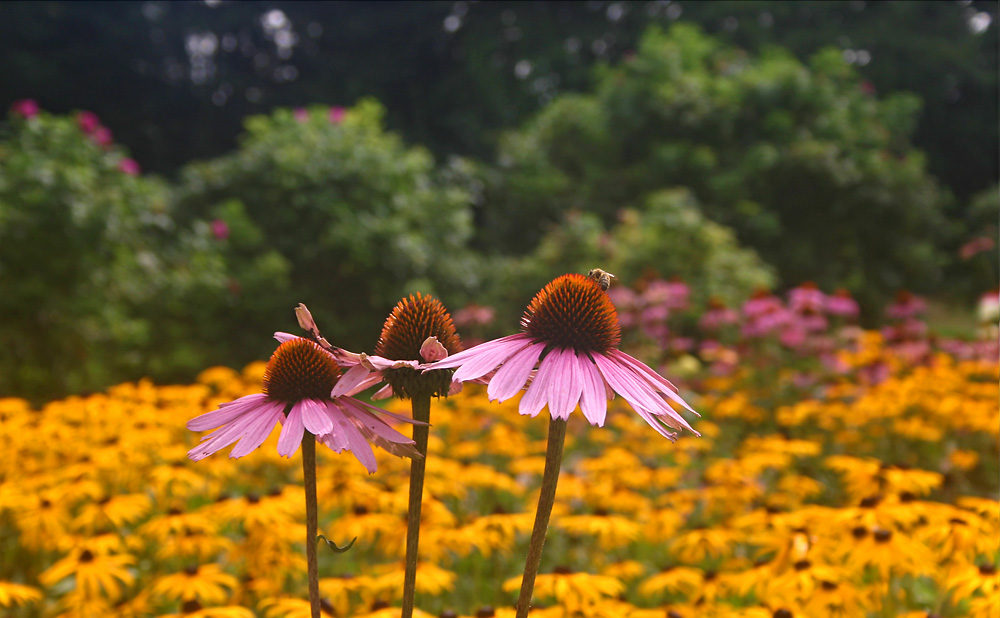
(94, 574)
(114, 510)
(611, 531)
(206, 584)
(969, 579)
(675, 580)
(696, 545)
(12, 595)
(575, 592)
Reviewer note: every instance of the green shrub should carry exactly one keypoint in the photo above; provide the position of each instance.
(359, 218)
(667, 237)
(96, 278)
(808, 167)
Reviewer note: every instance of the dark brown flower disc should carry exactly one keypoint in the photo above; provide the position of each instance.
(299, 369)
(573, 312)
(411, 322)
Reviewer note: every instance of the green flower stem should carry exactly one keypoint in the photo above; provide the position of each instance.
(421, 405)
(309, 479)
(547, 497)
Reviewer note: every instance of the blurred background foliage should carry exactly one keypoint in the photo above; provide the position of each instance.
(345, 154)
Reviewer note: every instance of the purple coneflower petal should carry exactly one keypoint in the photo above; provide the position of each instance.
(226, 413)
(291, 432)
(594, 398)
(483, 359)
(513, 374)
(667, 389)
(374, 423)
(355, 380)
(356, 442)
(641, 395)
(567, 384)
(537, 394)
(257, 432)
(314, 417)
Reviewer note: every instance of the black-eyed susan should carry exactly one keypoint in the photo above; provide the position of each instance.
(14, 595)
(207, 584)
(96, 576)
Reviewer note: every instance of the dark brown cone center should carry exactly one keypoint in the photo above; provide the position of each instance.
(299, 369)
(573, 312)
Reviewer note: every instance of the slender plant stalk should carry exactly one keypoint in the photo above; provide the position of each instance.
(547, 497)
(309, 474)
(421, 412)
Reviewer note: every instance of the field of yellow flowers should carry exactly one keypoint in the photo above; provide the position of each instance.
(846, 498)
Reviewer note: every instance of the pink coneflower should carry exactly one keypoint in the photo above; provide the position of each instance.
(842, 304)
(807, 298)
(717, 316)
(570, 332)
(301, 114)
(337, 115)
(905, 306)
(303, 392)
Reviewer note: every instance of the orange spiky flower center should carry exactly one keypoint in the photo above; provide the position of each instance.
(411, 322)
(300, 369)
(573, 312)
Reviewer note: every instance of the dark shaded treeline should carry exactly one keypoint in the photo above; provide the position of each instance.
(175, 80)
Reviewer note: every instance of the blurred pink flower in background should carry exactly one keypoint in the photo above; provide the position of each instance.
(806, 298)
(220, 229)
(760, 303)
(842, 304)
(129, 166)
(473, 315)
(905, 306)
(88, 122)
(975, 247)
(670, 294)
(301, 114)
(26, 108)
(717, 315)
(337, 114)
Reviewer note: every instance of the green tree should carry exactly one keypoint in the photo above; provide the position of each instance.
(360, 219)
(807, 167)
(98, 281)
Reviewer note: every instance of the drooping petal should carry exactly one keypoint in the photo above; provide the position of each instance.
(373, 422)
(257, 433)
(314, 416)
(566, 386)
(291, 433)
(513, 374)
(226, 413)
(383, 393)
(356, 442)
(593, 399)
(666, 388)
(225, 436)
(642, 396)
(483, 358)
(348, 382)
(537, 395)
(283, 337)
